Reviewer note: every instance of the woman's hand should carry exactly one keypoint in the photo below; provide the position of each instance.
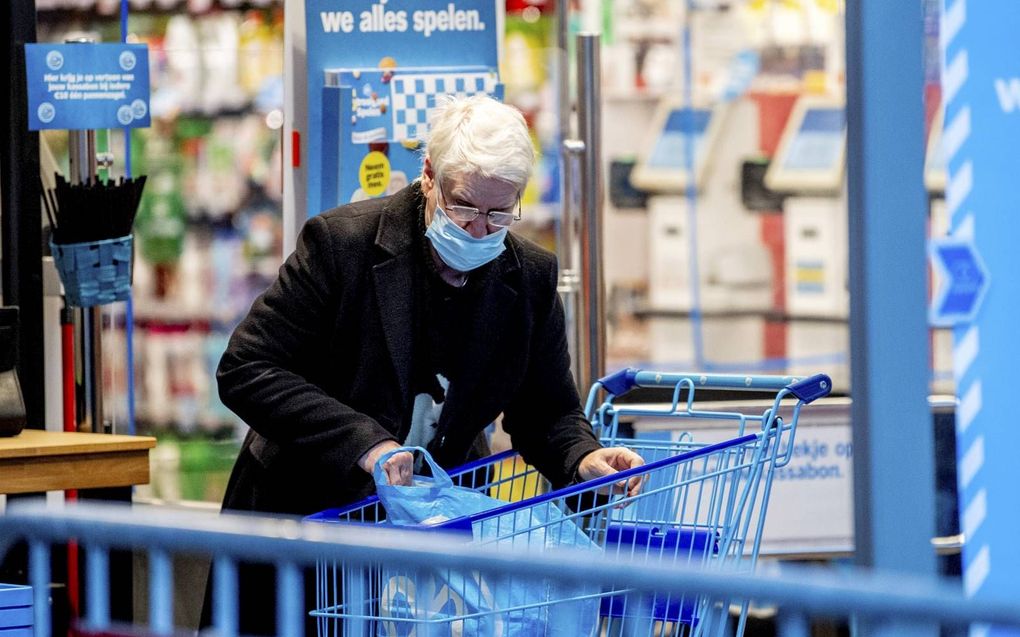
(606, 461)
(399, 468)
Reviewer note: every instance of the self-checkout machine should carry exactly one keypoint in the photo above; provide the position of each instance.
(710, 274)
(810, 511)
(811, 506)
(691, 162)
(809, 167)
(736, 309)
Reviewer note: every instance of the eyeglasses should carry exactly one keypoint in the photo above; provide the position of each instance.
(495, 218)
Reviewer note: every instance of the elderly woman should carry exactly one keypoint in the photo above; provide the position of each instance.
(412, 319)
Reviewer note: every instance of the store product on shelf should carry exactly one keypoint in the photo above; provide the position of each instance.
(208, 231)
(260, 39)
(221, 66)
(189, 468)
(112, 7)
(179, 88)
(162, 219)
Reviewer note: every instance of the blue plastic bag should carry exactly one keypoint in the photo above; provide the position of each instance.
(432, 603)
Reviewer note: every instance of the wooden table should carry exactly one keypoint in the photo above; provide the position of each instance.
(52, 461)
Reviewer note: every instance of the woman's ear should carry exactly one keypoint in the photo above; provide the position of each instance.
(428, 176)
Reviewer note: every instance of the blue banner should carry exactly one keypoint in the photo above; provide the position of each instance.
(981, 92)
(87, 86)
(382, 37)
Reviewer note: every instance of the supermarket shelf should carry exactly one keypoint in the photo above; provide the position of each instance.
(60, 9)
(635, 95)
(170, 311)
(771, 316)
(238, 111)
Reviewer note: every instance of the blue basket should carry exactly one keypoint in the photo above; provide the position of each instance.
(16, 618)
(94, 272)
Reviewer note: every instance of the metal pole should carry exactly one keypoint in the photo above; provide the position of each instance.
(82, 156)
(564, 103)
(567, 231)
(892, 432)
(592, 347)
(89, 347)
(569, 283)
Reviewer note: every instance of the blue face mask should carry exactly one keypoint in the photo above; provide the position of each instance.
(457, 248)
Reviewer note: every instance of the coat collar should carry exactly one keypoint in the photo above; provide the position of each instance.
(398, 221)
(394, 287)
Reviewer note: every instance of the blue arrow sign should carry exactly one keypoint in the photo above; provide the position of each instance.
(964, 281)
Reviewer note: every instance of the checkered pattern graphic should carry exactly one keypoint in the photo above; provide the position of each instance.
(414, 96)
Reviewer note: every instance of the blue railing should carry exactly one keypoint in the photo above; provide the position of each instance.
(289, 544)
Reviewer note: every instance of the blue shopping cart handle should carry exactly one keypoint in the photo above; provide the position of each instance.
(807, 389)
(812, 388)
(620, 382)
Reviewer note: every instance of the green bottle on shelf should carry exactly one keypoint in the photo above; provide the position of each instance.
(162, 218)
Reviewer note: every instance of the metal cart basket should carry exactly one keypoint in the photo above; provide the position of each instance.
(700, 504)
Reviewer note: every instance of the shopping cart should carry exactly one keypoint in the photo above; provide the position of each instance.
(701, 504)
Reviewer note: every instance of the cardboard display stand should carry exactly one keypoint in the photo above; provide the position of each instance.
(375, 125)
(372, 73)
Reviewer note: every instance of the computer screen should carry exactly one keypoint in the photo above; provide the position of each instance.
(682, 125)
(818, 144)
(811, 157)
(678, 135)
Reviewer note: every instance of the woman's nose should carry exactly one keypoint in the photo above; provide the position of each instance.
(479, 226)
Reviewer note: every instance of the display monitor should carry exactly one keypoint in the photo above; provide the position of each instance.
(811, 156)
(663, 165)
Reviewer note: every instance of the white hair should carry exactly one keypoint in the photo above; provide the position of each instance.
(479, 136)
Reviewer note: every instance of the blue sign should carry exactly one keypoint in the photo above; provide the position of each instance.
(87, 86)
(382, 37)
(964, 282)
(982, 130)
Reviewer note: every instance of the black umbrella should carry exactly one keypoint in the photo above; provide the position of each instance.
(91, 240)
(94, 210)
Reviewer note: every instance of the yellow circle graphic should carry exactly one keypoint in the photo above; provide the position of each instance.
(374, 174)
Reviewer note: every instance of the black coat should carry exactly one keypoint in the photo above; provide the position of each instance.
(320, 368)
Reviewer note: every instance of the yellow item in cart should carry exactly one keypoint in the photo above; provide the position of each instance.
(527, 486)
